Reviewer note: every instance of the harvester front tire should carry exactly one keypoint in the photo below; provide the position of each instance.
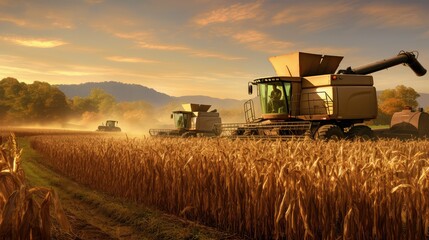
(329, 132)
(360, 132)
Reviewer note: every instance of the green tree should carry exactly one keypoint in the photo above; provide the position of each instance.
(13, 100)
(80, 105)
(105, 102)
(37, 102)
(98, 102)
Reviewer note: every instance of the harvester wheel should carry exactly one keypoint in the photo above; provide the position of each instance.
(360, 132)
(329, 132)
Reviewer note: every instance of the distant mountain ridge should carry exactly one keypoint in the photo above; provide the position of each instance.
(135, 92)
(125, 92)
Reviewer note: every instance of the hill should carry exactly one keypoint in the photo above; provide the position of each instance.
(121, 91)
(124, 92)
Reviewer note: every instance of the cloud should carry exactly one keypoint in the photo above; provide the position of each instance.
(394, 15)
(71, 73)
(32, 42)
(317, 17)
(205, 54)
(260, 41)
(136, 35)
(233, 13)
(58, 21)
(35, 18)
(130, 60)
(14, 20)
(164, 47)
(147, 40)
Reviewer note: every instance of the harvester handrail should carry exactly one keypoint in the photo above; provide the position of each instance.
(328, 103)
(249, 111)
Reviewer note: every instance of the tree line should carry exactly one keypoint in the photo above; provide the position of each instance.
(40, 103)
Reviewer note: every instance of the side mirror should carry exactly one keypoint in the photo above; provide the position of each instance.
(250, 89)
(171, 116)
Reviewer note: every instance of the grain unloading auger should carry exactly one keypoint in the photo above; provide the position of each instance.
(307, 98)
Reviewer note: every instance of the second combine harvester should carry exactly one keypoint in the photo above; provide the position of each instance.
(307, 98)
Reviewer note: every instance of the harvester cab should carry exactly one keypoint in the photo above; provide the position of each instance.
(182, 119)
(109, 126)
(193, 120)
(308, 98)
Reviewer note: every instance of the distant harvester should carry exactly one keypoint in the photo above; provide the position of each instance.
(109, 126)
(194, 121)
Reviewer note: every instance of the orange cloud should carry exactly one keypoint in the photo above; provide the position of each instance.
(233, 13)
(40, 19)
(137, 36)
(72, 73)
(59, 21)
(147, 40)
(261, 42)
(204, 54)
(161, 47)
(316, 17)
(130, 60)
(32, 42)
(14, 20)
(396, 15)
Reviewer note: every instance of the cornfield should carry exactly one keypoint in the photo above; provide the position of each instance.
(261, 189)
(21, 215)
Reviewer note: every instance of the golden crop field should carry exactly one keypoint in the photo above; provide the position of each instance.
(261, 189)
(22, 216)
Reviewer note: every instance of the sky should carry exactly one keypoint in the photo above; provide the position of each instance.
(203, 47)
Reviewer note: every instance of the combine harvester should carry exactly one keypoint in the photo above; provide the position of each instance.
(194, 121)
(110, 126)
(308, 98)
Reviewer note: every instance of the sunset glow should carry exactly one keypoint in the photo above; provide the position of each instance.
(199, 47)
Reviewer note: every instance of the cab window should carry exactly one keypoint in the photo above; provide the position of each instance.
(273, 97)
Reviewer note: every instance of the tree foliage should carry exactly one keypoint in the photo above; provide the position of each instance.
(31, 103)
(395, 100)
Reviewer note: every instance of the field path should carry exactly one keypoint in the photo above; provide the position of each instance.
(94, 215)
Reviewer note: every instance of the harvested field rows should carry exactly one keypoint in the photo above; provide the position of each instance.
(261, 189)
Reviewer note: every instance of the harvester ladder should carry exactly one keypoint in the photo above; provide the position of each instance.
(249, 111)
